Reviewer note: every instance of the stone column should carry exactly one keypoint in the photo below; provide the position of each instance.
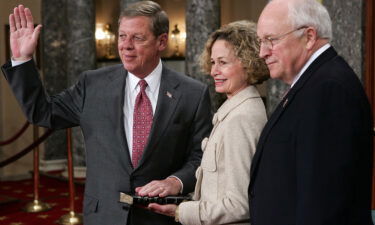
(80, 56)
(348, 31)
(125, 3)
(54, 41)
(275, 89)
(202, 18)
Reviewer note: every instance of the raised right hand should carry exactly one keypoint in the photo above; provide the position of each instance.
(23, 36)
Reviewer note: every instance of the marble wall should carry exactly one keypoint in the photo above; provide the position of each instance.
(348, 31)
(54, 41)
(69, 49)
(81, 56)
(202, 18)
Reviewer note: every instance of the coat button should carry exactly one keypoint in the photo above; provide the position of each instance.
(252, 193)
(204, 143)
(214, 119)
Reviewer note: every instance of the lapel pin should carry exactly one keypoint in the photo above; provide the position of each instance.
(285, 102)
(169, 94)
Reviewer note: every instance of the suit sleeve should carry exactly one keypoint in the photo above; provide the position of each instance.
(200, 129)
(240, 135)
(331, 156)
(56, 112)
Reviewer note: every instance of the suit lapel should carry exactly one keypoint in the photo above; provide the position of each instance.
(165, 108)
(266, 130)
(115, 94)
(323, 58)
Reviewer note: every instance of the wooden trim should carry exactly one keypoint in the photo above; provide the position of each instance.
(369, 79)
(7, 44)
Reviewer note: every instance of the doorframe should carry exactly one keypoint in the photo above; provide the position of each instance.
(369, 78)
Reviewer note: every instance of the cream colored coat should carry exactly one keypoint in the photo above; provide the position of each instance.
(223, 177)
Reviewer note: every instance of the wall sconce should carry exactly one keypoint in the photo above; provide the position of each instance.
(105, 42)
(178, 38)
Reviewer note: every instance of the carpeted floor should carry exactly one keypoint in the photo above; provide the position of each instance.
(14, 195)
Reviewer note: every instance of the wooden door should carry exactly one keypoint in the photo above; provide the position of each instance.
(369, 79)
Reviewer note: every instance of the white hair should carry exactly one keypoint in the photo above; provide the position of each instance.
(310, 13)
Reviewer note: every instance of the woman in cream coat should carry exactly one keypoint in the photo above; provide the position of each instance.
(220, 197)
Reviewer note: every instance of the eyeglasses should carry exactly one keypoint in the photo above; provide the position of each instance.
(268, 42)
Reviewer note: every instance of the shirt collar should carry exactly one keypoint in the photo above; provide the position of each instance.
(153, 79)
(308, 63)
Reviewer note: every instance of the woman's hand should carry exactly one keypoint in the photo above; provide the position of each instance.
(168, 210)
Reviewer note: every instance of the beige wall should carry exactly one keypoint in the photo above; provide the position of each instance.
(232, 10)
(176, 13)
(11, 117)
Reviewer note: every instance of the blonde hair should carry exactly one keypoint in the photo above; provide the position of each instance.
(243, 38)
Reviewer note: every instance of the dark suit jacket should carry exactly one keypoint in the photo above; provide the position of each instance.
(95, 103)
(314, 158)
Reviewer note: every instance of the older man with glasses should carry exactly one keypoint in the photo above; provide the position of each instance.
(313, 164)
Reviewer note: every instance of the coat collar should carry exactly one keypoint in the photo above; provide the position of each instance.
(230, 104)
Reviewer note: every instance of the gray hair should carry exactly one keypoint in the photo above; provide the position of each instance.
(310, 13)
(152, 10)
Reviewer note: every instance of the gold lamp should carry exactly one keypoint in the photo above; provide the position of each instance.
(105, 42)
(176, 36)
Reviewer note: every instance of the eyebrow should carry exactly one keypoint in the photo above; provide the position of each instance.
(221, 57)
(136, 33)
(267, 35)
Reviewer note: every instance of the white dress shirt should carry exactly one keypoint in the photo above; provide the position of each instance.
(308, 63)
(131, 91)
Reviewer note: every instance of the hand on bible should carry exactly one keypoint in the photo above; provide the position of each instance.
(161, 188)
(23, 36)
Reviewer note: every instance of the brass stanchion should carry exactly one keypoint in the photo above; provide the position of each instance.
(72, 217)
(36, 205)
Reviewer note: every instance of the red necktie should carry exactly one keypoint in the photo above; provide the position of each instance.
(142, 121)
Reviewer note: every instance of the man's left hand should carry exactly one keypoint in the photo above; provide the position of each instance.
(161, 188)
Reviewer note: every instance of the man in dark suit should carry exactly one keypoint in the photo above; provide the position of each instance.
(161, 156)
(314, 158)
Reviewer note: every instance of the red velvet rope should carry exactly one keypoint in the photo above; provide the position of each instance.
(27, 149)
(17, 135)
